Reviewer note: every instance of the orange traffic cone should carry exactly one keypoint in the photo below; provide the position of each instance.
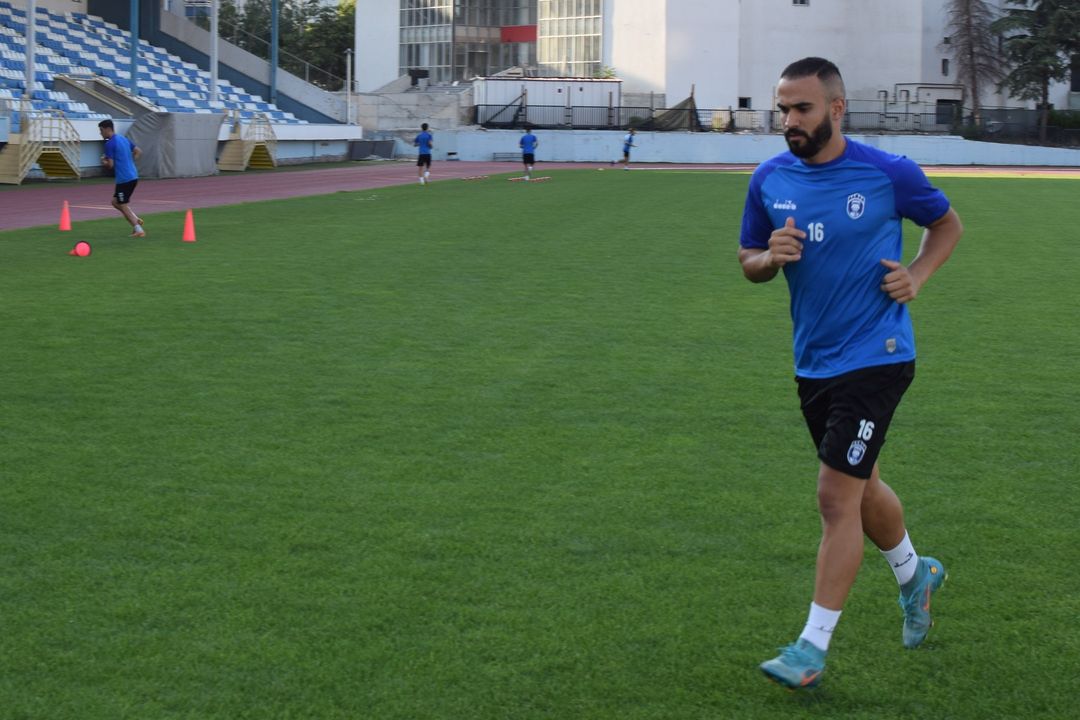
(189, 228)
(65, 217)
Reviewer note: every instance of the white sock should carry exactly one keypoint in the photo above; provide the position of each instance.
(427, 174)
(138, 227)
(903, 560)
(820, 625)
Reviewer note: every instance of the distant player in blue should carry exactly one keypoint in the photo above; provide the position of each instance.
(120, 156)
(627, 143)
(828, 213)
(424, 141)
(528, 144)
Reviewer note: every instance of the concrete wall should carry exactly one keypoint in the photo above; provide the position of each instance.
(688, 148)
(634, 43)
(377, 36)
(703, 51)
(404, 110)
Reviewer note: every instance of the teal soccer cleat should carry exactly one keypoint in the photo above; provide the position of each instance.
(799, 665)
(929, 577)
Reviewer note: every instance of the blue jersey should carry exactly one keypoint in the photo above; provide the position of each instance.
(627, 143)
(423, 141)
(528, 143)
(851, 210)
(118, 149)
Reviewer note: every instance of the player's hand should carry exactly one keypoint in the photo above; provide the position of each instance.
(785, 244)
(899, 283)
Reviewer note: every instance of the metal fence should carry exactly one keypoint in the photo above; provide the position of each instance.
(1008, 124)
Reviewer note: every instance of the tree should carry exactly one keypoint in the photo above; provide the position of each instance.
(974, 46)
(1039, 39)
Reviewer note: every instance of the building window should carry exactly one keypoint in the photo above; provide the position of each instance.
(945, 67)
(800, 2)
(568, 37)
(1074, 85)
(744, 103)
(947, 40)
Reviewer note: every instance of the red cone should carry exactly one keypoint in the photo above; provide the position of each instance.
(189, 228)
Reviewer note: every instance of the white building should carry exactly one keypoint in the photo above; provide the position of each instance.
(730, 51)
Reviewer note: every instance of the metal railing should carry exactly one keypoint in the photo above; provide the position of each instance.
(260, 47)
(994, 123)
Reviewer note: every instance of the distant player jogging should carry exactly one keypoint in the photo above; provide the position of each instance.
(528, 144)
(120, 156)
(425, 142)
(627, 144)
(828, 213)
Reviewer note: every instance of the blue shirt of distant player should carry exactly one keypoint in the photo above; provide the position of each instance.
(627, 143)
(423, 141)
(118, 149)
(851, 210)
(528, 143)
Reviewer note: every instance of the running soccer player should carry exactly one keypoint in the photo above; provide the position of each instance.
(828, 213)
(424, 141)
(627, 143)
(528, 144)
(120, 156)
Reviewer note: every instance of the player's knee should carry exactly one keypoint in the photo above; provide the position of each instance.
(838, 499)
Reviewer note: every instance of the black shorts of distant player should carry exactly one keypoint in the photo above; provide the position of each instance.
(123, 191)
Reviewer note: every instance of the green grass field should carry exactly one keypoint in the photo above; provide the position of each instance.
(494, 450)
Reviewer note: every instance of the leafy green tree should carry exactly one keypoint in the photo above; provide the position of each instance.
(1040, 38)
(974, 47)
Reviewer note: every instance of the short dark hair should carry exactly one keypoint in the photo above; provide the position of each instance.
(824, 70)
(105, 124)
(528, 128)
(423, 126)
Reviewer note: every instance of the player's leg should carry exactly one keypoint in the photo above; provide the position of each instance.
(878, 393)
(427, 169)
(841, 550)
(918, 577)
(121, 198)
(420, 169)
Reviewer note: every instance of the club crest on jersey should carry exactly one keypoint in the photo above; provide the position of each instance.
(855, 452)
(856, 203)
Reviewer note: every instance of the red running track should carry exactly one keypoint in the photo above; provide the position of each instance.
(38, 204)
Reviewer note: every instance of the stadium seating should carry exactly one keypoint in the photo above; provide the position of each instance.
(85, 45)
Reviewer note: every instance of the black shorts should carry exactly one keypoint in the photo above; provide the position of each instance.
(423, 161)
(848, 415)
(528, 158)
(124, 191)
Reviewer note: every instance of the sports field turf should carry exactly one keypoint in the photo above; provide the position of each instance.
(494, 450)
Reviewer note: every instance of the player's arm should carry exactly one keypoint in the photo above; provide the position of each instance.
(785, 246)
(939, 239)
(107, 162)
(136, 151)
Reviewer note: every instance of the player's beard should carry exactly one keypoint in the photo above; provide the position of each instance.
(812, 143)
